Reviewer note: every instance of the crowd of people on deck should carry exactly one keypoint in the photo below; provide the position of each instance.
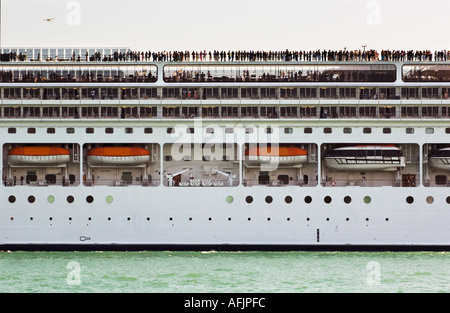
(246, 56)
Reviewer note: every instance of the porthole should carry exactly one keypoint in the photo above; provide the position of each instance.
(269, 199)
(448, 199)
(347, 199)
(367, 199)
(308, 199)
(409, 199)
(288, 199)
(249, 199)
(70, 199)
(109, 199)
(89, 199)
(51, 199)
(12, 199)
(229, 199)
(327, 199)
(31, 199)
(430, 199)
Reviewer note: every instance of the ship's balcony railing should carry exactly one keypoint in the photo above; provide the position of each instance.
(204, 182)
(278, 183)
(121, 183)
(39, 183)
(367, 183)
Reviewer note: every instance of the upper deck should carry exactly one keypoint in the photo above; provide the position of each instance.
(121, 66)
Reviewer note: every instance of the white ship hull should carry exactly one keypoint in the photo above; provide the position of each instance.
(204, 218)
(185, 196)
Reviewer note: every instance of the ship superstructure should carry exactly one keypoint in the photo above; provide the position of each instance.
(98, 152)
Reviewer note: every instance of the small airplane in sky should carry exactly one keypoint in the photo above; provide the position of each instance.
(50, 19)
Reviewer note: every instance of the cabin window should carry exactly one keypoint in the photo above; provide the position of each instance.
(51, 179)
(347, 130)
(31, 178)
(288, 130)
(128, 130)
(12, 130)
(387, 130)
(308, 130)
(441, 179)
(51, 130)
(148, 130)
(429, 130)
(31, 130)
(327, 130)
(89, 130)
(367, 130)
(264, 179)
(284, 179)
(109, 130)
(410, 130)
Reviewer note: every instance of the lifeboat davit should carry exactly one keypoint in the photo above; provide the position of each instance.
(38, 156)
(279, 156)
(118, 156)
(440, 159)
(365, 158)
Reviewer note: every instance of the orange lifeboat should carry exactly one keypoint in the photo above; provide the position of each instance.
(118, 156)
(281, 155)
(38, 156)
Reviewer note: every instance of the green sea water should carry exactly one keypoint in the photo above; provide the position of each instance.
(224, 272)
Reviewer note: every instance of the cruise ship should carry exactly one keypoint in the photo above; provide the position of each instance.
(100, 152)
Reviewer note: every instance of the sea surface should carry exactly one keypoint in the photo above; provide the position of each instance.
(224, 272)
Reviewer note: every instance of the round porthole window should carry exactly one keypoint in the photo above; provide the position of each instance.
(229, 199)
(367, 199)
(409, 199)
(51, 199)
(109, 199)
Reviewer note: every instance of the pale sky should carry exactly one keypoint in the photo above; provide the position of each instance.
(227, 24)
